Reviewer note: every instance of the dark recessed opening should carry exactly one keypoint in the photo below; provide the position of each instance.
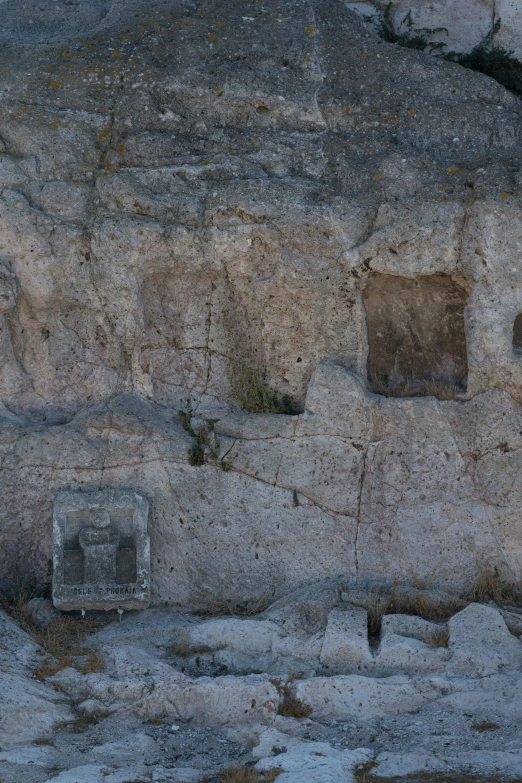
(517, 334)
(416, 336)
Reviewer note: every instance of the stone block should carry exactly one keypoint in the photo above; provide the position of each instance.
(400, 653)
(408, 625)
(345, 646)
(101, 550)
(481, 643)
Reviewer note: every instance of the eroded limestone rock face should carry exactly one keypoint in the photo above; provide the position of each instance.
(175, 712)
(190, 196)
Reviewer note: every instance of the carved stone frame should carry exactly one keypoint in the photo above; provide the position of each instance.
(130, 595)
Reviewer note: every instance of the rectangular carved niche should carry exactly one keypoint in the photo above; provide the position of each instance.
(101, 550)
(416, 336)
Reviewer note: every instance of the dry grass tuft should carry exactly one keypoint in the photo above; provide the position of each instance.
(490, 587)
(291, 706)
(388, 387)
(219, 607)
(184, 649)
(63, 639)
(93, 664)
(239, 774)
(381, 602)
(84, 721)
(439, 638)
(484, 725)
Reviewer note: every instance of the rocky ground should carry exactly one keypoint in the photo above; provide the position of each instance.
(300, 688)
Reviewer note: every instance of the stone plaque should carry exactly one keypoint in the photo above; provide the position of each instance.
(101, 550)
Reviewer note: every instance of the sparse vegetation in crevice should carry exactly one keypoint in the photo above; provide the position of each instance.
(488, 58)
(439, 638)
(203, 437)
(484, 725)
(381, 602)
(489, 586)
(240, 774)
(62, 639)
(196, 455)
(492, 60)
(407, 35)
(290, 706)
(251, 392)
(184, 649)
(412, 387)
(215, 606)
(83, 721)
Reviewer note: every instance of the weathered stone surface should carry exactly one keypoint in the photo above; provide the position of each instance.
(480, 642)
(353, 694)
(345, 646)
(29, 709)
(189, 197)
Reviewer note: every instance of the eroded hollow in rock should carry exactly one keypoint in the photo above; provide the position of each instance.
(517, 335)
(416, 336)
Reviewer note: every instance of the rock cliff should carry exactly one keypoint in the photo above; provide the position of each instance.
(199, 200)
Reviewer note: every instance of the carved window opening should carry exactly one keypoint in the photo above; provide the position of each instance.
(416, 336)
(517, 335)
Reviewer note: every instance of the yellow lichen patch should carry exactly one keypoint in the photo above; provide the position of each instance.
(120, 149)
(442, 187)
(364, 54)
(211, 36)
(347, 110)
(308, 60)
(503, 194)
(104, 134)
(378, 175)
(219, 24)
(309, 30)
(116, 53)
(413, 112)
(453, 170)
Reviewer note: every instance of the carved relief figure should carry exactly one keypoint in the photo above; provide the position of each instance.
(99, 543)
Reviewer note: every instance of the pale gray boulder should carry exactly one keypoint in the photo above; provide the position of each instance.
(481, 644)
